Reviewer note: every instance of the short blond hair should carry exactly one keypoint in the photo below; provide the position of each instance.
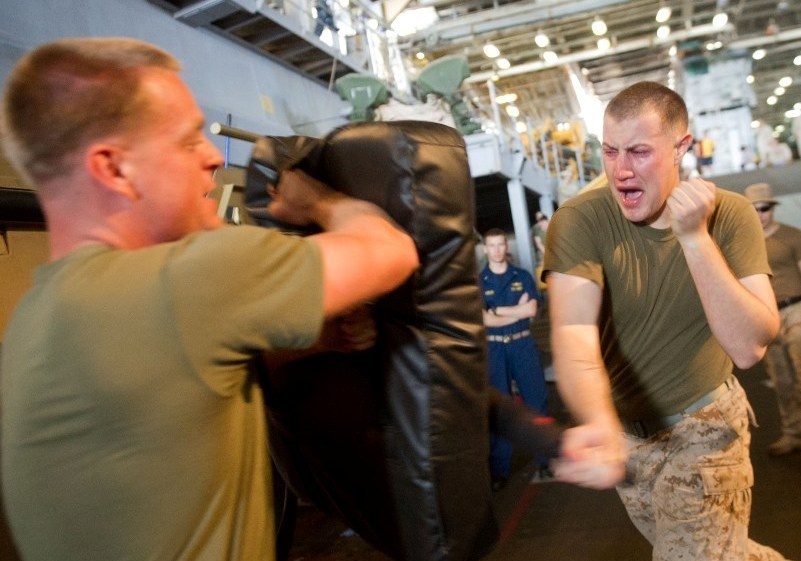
(650, 96)
(66, 93)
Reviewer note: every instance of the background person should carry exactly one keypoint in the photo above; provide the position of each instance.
(778, 153)
(783, 359)
(656, 285)
(132, 426)
(706, 154)
(511, 300)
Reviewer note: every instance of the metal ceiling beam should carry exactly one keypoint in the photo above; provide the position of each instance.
(511, 15)
(589, 54)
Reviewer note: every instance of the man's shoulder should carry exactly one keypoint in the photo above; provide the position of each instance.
(788, 231)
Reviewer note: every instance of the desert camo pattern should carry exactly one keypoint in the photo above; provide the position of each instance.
(689, 488)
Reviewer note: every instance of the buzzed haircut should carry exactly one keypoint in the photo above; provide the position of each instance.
(650, 96)
(494, 232)
(67, 93)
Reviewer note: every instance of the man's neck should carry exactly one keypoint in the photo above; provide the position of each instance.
(498, 268)
(770, 229)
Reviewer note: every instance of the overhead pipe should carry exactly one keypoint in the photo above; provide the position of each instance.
(510, 15)
(589, 54)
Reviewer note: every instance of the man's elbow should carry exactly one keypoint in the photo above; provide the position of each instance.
(745, 360)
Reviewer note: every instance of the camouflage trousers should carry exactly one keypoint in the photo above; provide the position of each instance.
(689, 490)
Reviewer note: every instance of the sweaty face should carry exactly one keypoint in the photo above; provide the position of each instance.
(171, 162)
(641, 160)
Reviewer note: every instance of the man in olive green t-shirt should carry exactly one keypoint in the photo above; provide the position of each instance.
(783, 359)
(656, 286)
(132, 428)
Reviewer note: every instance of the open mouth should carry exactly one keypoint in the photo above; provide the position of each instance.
(630, 197)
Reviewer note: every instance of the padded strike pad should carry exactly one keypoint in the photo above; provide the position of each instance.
(394, 440)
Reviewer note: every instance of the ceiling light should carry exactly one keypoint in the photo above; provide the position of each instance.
(749, 79)
(663, 14)
(772, 100)
(521, 127)
(598, 26)
(413, 20)
(604, 44)
(541, 40)
(420, 55)
(759, 54)
(792, 114)
(512, 111)
(506, 98)
(720, 19)
(503, 63)
(663, 31)
(550, 57)
(779, 91)
(491, 51)
(785, 82)
(673, 51)
(713, 45)
(797, 60)
(755, 124)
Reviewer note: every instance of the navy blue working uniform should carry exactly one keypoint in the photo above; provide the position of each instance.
(512, 353)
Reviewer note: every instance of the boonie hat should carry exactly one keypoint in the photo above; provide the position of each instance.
(760, 193)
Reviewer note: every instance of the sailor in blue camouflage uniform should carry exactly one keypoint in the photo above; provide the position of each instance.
(511, 301)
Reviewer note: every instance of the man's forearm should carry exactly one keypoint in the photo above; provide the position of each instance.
(741, 322)
(581, 376)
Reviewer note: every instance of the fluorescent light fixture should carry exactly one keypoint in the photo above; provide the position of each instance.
(673, 51)
(521, 127)
(663, 14)
(491, 51)
(506, 98)
(663, 31)
(598, 26)
(772, 100)
(749, 79)
(541, 40)
(503, 63)
(512, 111)
(413, 20)
(550, 57)
(779, 91)
(797, 60)
(759, 54)
(720, 19)
(604, 44)
(786, 82)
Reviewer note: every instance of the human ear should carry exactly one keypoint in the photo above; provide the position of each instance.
(682, 146)
(107, 165)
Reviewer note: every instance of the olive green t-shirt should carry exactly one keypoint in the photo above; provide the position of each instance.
(131, 426)
(656, 343)
(784, 255)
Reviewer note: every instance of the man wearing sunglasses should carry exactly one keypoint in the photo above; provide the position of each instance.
(783, 358)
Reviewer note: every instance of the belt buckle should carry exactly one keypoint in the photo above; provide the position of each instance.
(507, 338)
